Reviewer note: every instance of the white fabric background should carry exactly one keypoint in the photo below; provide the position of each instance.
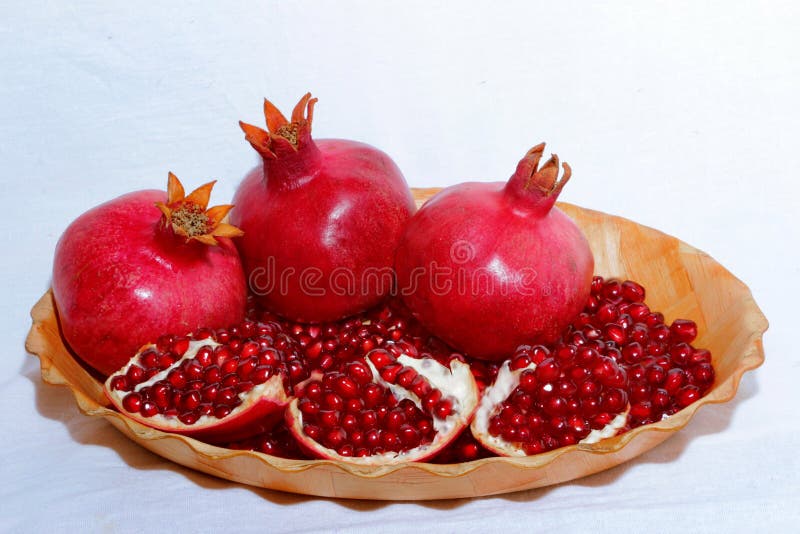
(680, 115)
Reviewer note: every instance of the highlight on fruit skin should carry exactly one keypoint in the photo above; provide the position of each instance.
(188, 216)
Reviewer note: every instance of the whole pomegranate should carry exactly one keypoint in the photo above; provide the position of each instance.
(142, 264)
(490, 266)
(321, 219)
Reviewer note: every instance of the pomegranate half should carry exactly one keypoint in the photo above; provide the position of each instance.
(385, 409)
(218, 386)
(490, 266)
(322, 219)
(142, 264)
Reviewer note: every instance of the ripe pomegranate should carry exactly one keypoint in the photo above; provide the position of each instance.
(488, 267)
(142, 264)
(322, 219)
(385, 409)
(216, 386)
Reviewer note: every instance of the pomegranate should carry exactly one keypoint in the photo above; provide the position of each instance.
(538, 402)
(385, 409)
(616, 367)
(145, 263)
(322, 219)
(488, 267)
(216, 386)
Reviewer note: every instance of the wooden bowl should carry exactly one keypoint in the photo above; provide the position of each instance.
(681, 281)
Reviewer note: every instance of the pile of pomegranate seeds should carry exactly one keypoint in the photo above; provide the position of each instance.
(331, 346)
(617, 356)
(616, 367)
(210, 381)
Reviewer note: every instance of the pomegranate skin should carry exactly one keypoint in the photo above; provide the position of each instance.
(321, 223)
(120, 280)
(490, 266)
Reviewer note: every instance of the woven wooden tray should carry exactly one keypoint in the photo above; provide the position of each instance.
(681, 281)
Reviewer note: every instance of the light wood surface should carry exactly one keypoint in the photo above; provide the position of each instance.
(681, 281)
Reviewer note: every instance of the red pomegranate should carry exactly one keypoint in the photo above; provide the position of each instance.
(490, 266)
(321, 219)
(142, 264)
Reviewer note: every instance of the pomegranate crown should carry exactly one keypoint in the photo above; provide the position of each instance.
(187, 216)
(281, 134)
(544, 178)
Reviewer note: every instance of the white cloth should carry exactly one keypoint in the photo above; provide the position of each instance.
(683, 117)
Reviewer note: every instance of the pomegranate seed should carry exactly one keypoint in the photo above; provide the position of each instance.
(209, 392)
(660, 399)
(547, 371)
(684, 330)
(674, 380)
(177, 378)
(180, 346)
(119, 383)
(443, 409)
(226, 396)
(188, 418)
(702, 374)
(312, 431)
(135, 374)
(230, 380)
(381, 358)
(373, 394)
(346, 387)
(406, 377)
(132, 402)
(687, 396)
(632, 292)
(149, 358)
(359, 372)
(329, 418)
(369, 419)
(700, 356)
(148, 409)
(349, 422)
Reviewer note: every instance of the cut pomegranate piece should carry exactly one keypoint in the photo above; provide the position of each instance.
(215, 386)
(384, 409)
(575, 396)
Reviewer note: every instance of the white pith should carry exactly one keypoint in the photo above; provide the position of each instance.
(272, 388)
(506, 382)
(455, 382)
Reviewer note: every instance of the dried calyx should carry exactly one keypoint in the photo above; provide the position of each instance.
(190, 217)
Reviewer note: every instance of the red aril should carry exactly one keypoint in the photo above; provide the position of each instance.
(322, 219)
(490, 266)
(142, 264)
